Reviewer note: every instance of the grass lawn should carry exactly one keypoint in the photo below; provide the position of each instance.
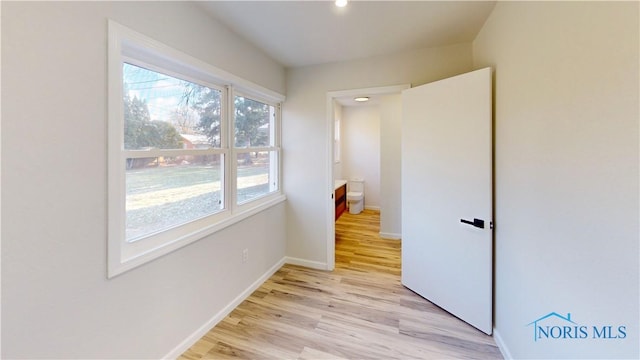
(162, 197)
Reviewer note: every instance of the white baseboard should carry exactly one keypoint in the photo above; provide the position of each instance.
(377, 208)
(390, 236)
(306, 263)
(501, 345)
(209, 324)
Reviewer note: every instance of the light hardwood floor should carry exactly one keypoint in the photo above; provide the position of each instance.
(358, 311)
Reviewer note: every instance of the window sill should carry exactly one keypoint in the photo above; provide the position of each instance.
(268, 202)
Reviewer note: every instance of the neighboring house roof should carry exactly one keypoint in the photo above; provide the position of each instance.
(196, 139)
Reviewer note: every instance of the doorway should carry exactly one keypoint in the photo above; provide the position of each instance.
(387, 99)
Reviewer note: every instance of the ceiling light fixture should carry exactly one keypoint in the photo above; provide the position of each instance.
(341, 3)
(361, 99)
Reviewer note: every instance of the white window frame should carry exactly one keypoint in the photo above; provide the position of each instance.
(126, 45)
(273, 149)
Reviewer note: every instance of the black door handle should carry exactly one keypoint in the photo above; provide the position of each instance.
(476, 222)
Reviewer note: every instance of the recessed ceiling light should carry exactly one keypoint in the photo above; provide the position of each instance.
(341, 3)
(361, 98)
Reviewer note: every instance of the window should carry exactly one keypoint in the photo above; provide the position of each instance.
(184, 160)
(256, 153)
(172, 147)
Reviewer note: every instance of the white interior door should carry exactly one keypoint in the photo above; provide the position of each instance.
(447, 256)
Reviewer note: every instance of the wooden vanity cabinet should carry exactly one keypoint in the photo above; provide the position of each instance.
(340, 200)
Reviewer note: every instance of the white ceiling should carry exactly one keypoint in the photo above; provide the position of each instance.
(302, 33)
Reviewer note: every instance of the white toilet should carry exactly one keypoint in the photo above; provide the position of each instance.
(355, 196)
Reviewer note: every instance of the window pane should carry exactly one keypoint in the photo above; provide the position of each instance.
(164, 112)
(166, 192)
(253, 123)
(256, 175)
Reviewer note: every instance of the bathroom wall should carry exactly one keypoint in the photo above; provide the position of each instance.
(337, 166)
(390, 165)
(361, 149)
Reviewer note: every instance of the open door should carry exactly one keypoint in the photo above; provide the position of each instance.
(447, 202)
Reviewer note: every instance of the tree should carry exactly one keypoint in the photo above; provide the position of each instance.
(136, 114)
(140, 132)
(207, 103)
(185, 119)
(250, 118)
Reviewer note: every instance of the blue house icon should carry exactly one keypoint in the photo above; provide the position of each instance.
(549, 315)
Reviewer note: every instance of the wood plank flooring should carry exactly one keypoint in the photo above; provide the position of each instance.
(358, 311)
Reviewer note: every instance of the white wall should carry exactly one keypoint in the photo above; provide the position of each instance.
(337, 166)
(56, 299)
(390, 165)
(566, 170)
(306, 134)
(361, 150)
